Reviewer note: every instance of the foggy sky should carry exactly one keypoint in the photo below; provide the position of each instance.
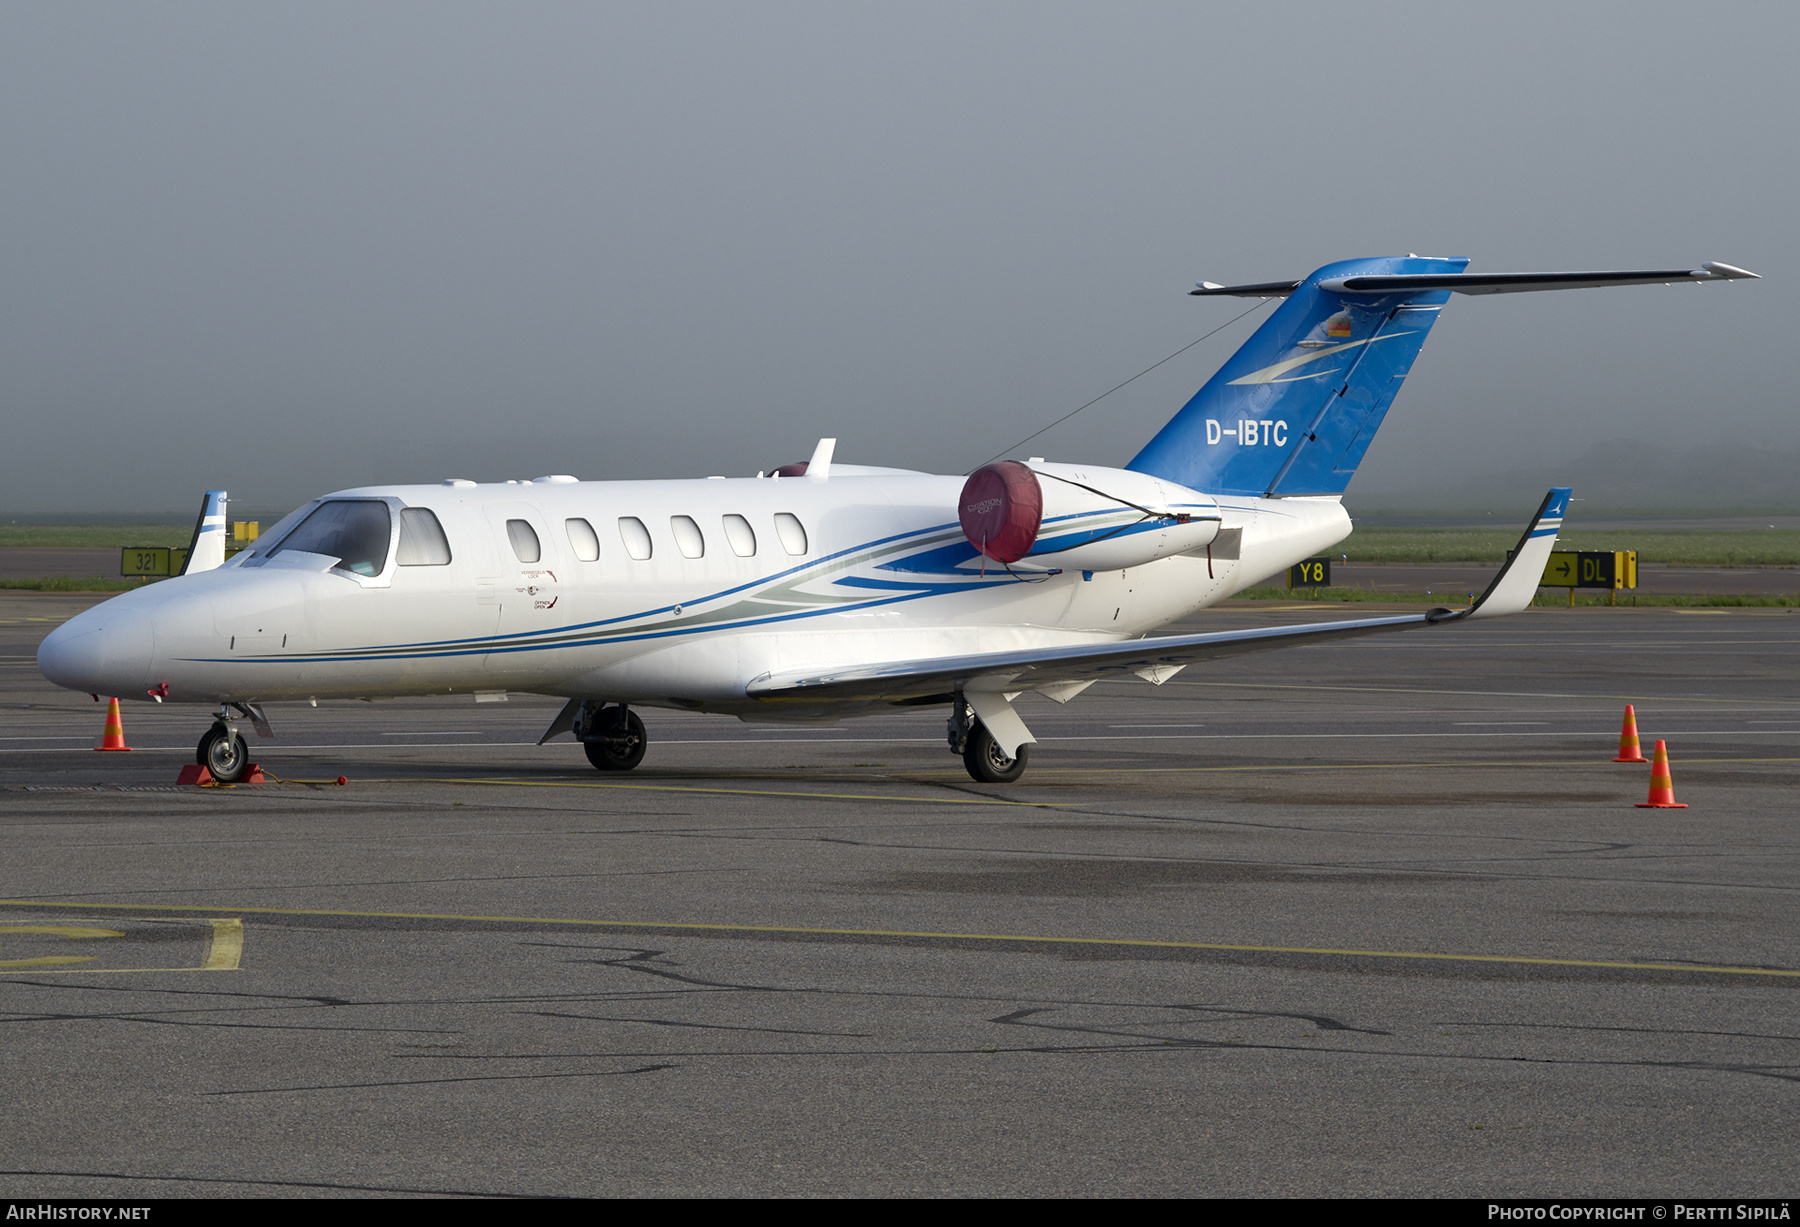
(290, 249)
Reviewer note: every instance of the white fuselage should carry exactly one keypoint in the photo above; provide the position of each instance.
(884, 574)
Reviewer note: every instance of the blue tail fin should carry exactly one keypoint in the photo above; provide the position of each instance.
(1293, 411)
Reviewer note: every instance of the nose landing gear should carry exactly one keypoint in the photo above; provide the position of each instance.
(613, 737)
(223, 751)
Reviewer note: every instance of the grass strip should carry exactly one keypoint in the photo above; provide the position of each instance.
(65, 583)
(1769, 547)
(92, 536)
(1691, 548)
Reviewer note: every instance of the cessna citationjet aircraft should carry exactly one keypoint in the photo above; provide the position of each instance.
(820, 590)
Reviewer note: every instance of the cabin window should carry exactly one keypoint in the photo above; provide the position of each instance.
(353, 531)
(687, 536)
(524, 540)
(791, 532)
(635, 536)
(741, 536)
(583, 540)
(422, 540)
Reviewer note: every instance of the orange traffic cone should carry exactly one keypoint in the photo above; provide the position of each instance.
(114, 737)
(1662, 787)
(1629, 749)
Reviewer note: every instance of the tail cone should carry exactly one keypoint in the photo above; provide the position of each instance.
(114, 737)
(1630, 751)
(1662, 787)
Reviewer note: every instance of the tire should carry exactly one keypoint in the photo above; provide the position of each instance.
(986, 764)
(224, 754)
(616, 744)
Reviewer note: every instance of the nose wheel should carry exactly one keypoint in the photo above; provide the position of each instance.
(613, 737)
(224, 753)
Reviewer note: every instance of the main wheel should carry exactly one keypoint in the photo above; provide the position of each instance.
(224, 754)
(987, 763)
(616, 741)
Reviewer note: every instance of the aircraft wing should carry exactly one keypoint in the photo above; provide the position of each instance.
(1063, 671)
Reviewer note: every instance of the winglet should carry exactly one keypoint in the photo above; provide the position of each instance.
(206, 549)
(1517, 582)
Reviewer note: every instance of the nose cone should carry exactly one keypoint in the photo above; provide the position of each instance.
(103, 651)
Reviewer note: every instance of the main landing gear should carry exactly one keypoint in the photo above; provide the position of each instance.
(223, 751)
(612, 736)
(981, 755)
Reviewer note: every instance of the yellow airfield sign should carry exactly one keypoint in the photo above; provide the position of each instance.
(152, 561)
(1591, 569)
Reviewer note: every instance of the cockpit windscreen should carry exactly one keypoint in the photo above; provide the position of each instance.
(353, 531)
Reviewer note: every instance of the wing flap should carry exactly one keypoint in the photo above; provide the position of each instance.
(1033, 669)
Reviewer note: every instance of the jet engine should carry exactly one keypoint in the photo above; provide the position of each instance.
(1041, 516)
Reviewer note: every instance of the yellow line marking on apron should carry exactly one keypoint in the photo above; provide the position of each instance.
(749, 792)
(224, 945)
(908, 775)
(76, 932)
(1023, 938)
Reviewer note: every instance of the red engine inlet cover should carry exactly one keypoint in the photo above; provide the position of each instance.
(1001, 508)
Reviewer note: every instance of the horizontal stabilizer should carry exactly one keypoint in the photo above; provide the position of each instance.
(1262, 289)
(1519, 283)
(1485, 283)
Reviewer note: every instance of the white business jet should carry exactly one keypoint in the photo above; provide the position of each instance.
(820, 590)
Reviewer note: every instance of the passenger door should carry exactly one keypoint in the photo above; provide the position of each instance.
(528, 587)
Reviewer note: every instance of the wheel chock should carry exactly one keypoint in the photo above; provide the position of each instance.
(192, 774)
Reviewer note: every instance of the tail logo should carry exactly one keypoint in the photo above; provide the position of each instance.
(1275, 374)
